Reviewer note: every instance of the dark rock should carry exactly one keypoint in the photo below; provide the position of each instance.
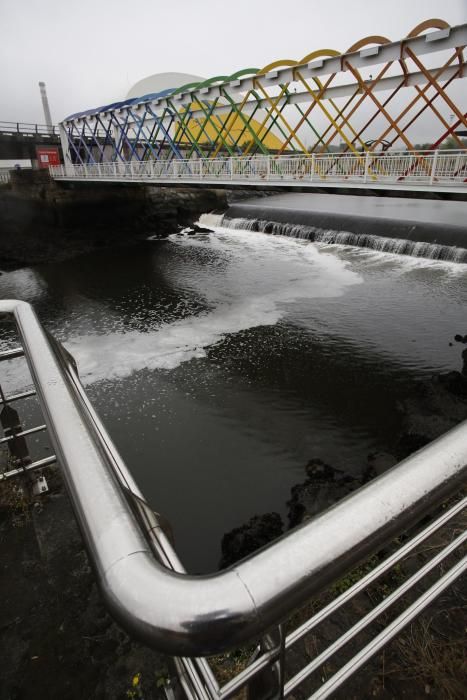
(319, 471)
(324, 486)
(259, 531)
(464, 365)
(458, 338)
(436, 406)
(201, 229)
(455, 382)
(378, 463)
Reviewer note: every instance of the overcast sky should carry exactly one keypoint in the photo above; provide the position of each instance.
(90, 52)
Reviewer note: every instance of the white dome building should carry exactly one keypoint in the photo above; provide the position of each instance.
(160, 82)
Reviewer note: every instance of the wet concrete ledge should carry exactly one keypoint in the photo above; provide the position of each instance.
(443, 222)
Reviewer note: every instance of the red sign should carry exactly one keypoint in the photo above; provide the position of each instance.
(47, 155)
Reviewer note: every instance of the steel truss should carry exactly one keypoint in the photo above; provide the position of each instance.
(322, 103)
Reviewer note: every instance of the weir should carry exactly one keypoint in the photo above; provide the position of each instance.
(435, 230)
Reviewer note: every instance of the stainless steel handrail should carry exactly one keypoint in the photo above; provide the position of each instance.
(188, 615)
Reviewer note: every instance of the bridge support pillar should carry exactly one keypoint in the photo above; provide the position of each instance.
(67, 162)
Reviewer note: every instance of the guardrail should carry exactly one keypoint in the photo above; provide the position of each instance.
(146, 588)
(26, 128)
(4, 176)
(445, 167)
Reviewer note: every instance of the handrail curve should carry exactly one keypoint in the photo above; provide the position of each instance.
(186, 615)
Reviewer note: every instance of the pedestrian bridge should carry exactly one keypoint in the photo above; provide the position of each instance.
(353, 119)
(416, 170)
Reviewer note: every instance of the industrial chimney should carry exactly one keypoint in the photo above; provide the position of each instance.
(45, 105)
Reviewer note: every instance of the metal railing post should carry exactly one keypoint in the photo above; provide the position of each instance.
(313, 165)
(268, 684)
(433, 166)
(367, 166)
(457, 165)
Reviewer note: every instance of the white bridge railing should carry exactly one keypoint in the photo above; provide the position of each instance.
(445, 167)
(4, 176)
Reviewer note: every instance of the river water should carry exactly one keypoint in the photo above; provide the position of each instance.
(222, 363)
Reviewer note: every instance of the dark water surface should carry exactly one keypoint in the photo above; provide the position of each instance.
(221, 364)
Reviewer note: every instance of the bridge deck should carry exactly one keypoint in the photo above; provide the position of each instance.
(414, 171)
(296, 185)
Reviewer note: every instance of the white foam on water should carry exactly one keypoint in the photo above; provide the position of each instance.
(250, 283)
(370, 258)
(211, 220)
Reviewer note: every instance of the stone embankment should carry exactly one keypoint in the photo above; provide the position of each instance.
(43, 221)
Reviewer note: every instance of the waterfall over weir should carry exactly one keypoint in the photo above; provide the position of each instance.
(385, 244)
(419, 249)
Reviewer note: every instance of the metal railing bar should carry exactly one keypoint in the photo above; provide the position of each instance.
(23, 433)
(11, 354)
(234, 685)
(118, 464)
(164, 549)
(153, 528)
(41, 463)
(374, 574)
(241, 679)
(209, 677)
(193, 678)
(191, 616)
(17, 397)
(391, 630)
(168, 557)
(373, 614)
(184, 679)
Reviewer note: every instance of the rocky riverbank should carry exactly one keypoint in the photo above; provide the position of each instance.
(43, 221)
